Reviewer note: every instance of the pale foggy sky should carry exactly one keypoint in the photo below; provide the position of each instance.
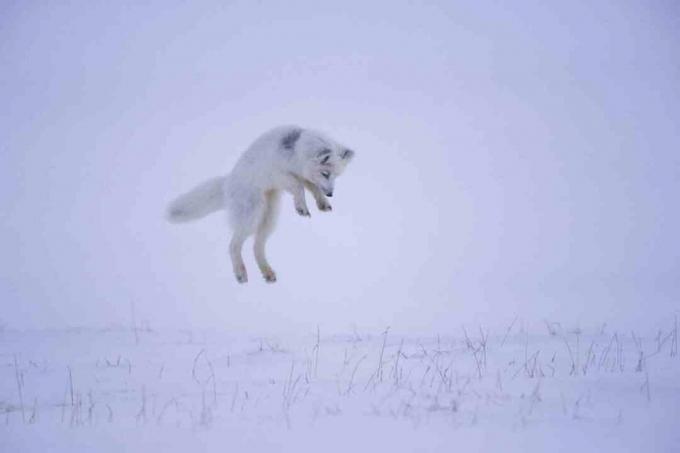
(511, 160)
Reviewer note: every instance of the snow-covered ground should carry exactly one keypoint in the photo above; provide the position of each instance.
(552, 389)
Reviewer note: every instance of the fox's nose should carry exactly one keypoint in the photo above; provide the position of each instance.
(329, 194)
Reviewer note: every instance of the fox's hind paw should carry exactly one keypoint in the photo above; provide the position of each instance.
(269, 276)
(242, 276)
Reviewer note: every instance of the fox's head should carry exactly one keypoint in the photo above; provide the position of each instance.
(327, 164)
(319, 159)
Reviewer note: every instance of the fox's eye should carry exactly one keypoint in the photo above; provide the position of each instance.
(325, 174)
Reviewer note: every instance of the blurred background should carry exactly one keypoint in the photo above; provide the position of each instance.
(513, 160)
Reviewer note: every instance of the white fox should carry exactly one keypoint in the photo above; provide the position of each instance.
(285, 158)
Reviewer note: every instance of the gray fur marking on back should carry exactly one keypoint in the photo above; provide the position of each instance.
(288, 141)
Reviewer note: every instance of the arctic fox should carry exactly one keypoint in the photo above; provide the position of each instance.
(286, 158)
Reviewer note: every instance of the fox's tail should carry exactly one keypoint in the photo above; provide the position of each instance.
(204, 199)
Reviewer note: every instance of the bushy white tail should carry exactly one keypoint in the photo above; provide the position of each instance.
(205, 199)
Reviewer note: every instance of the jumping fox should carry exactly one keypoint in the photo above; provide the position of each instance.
(286, 158)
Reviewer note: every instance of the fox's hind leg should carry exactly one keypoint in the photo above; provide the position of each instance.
(264, 229)
(245, 207)
(235, 247)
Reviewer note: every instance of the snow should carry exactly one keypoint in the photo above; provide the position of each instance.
(550, 389)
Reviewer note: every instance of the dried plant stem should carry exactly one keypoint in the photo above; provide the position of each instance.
(20, 386)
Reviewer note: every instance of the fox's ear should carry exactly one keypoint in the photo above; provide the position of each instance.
(323, 155)
(347, 155)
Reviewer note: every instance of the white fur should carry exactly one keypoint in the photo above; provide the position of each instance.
(286, 158)
(208, 197)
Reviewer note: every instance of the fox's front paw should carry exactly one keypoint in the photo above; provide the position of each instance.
(324, 206)
(303, 211)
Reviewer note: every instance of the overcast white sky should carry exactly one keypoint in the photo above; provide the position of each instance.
(512, 159)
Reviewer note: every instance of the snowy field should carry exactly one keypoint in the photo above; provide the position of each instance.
(552, 389)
